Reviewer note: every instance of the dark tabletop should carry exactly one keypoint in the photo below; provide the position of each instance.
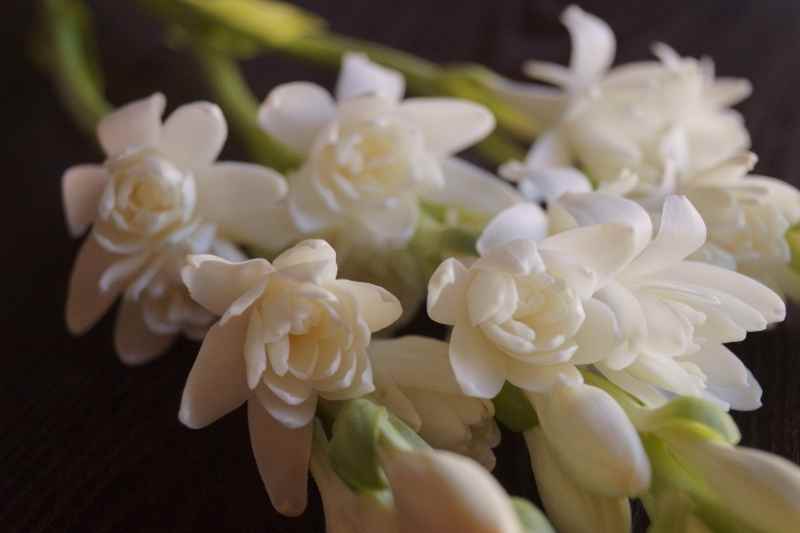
(89, 445)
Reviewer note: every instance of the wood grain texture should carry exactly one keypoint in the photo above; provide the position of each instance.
(88, 445)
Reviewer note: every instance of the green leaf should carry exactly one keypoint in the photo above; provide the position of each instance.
(513, 410)
(530, 517)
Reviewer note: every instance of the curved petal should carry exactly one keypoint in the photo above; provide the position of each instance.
(282, 456)
(135, 343)
(446, 291)
(307, 207)
(479, 367)
(522, 221)
(81, 187)
(414, 361)
(291, 416)
(377, 306)
(599, 336)
(135, 125)
(86, 300)
(295, 112)
(593, 45)
(194, 134)
(639, 389)
(470, 187)
(681, 233)
(449, 124)
(550, 184)
(518, 258)
(360, 76)
(216, 283)
(544, 104)
(491, 296)
(393, 225)
(314, 257)
(217, 383)
(240, 197)
(541, 378)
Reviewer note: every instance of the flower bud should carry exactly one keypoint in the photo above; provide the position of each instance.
(572, 508)
(593, 440)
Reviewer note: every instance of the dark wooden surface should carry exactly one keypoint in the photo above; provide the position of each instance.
(89, 445)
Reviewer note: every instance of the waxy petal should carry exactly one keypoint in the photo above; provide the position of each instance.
(294, 113)
(521, 221)
(446, 291)
(469, 187)
(479, 367)
(375, 305)
(449, 125)
(359, 76)
(82, 186)
(134, 342)
(194, 134)
(216, 283)
(132, 126)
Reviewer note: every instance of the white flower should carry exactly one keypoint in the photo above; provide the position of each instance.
(524, 311)
(758, 488)
(370, 157)
(593, 440)
(437, 491)
(571, 508)
(158, 196)
(608, 120)
(290, 332)
(674, 314)
(414, 380)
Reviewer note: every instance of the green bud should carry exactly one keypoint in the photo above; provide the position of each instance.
(531, 519)
(353, 446)
(513, 410)
(687, 408)
(793, 239)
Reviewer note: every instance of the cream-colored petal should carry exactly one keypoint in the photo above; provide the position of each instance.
(86, 301)
(314, 258)
(135, 343)
(449, 125)
(294, 113)
(391, 226)
(135, 125)
(359, 76)
(479, 367)
(240, 198)
(469, 187)
(377, 306)
(216, 283)
(415, 361)
(599, 335)
(217, 383)
(593, 45)
(255, 354)
(541, 378)
(446, 291)
(291, 416)
(518, 258)
(194, 134)
(82, 186)
(492, 296)
(521, 221)
(282, 456)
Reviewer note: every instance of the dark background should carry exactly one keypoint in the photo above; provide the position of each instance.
(89, 445)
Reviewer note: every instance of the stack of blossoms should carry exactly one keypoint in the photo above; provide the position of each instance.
(588, 308)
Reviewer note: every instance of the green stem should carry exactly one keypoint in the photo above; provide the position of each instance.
(241, 109)
(66, 50)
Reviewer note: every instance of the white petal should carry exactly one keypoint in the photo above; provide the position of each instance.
(314, 258)
(599, 335)
(449, 125)
(295, 112)
(627, 310)
(86, 301)
(446, 291)
(360, 76)
(593, 44)
(593, 439)
(135, 343)
(415, 361)
(135, 125)
(239, 197)
(545, 105)
(681, 233)
(217, 383)
(255, 354)
(639, 389)
(741, 287)
(194, 134)
(522, 221)
(491, 296)
(291, 416)
(470, 187)
(479, 367)
(518, 258)
(541, 378)
(282, 456)
(550, 184)
(308, 209)
(216, 283)
(377, 306)
(82, 186)
(727, 376)
(391, 225)
(551, 149)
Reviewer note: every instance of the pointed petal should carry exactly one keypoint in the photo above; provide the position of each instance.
(135, 125)
(415, 361)
(216, 283)
(295, 112)
(239, 197)
(282, 456)
(479, 366)
(377, 306)
(470, 187)
(449, 124)
(217, 383)
(446, 291)
(541, 378)
(599, 335)
(360, 76)
(315, 258)
(135, 343)
(593, 44)
(194, 134)
(522, 221)
(82, 186)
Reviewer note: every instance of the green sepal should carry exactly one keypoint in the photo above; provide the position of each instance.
(514, 410)
(354, 445)
(793, 240)
(531, 519)
(696, 410)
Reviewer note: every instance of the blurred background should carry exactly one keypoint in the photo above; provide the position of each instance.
(89, 445)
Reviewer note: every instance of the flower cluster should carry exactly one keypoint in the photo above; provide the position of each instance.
(598, 325)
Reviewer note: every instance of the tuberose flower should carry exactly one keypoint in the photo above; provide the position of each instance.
(413, 378)
(524, 310)
(159, 196)
(607, 121)
(371, 156)
(290, 332)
